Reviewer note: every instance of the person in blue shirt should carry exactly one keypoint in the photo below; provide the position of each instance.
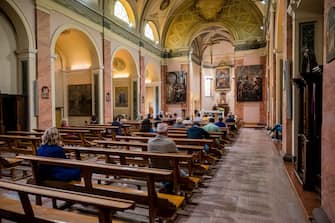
(116, 122)
(277, 129)
(220, 122)
(146, 126)
(196, 132)
(51, 147)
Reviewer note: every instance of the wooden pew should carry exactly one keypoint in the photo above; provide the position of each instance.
(144, 146)
(24, 133)
(162, 205)
(92, 134)
(74, 136)
(124, 155)
(190, 149)
(19, 144)
(23, 211)
(111, 129)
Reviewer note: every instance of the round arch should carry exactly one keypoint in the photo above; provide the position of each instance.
(68, 26)
(152, 89)
(76, 73)
(125, 82)
(23, 61)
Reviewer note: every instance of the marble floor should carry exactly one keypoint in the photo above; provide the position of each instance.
(249, 185)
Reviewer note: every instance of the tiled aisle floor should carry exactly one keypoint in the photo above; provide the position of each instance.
(250, 185)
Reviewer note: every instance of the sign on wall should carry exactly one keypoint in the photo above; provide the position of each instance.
(249, 83)
(176, 87)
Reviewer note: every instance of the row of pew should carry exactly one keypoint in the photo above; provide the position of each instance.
(116, 169)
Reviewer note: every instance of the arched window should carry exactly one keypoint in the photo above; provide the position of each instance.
(121, 12)
(148, 32)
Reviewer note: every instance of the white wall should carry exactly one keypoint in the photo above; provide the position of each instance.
(8, 64)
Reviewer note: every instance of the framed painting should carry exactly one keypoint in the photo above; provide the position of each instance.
(307, 39)
(222, 78)
(176, 87)
(249, 83)
(80, 100)
(331, 35)
(121, 97)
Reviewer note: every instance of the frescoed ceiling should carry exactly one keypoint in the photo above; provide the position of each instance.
(180, 22)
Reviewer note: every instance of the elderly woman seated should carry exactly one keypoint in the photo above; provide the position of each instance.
(51, 147)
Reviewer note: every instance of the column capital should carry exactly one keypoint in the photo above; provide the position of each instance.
(26, 53)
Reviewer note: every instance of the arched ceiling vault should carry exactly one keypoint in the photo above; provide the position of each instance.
(179, 21)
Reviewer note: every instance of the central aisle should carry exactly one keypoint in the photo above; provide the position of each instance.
(250, 185)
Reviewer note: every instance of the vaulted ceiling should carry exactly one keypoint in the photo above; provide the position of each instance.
(181, 22)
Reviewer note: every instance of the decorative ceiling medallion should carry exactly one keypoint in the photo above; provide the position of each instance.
(164, 4)
(119, 64)
(209, 9)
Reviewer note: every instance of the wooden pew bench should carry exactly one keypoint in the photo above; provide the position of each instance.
(13, 145)
(161, 205)
(125, 157)
(23, 211)
(19, 144)
(190, 149)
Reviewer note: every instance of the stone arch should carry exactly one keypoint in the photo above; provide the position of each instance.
(125, 82)
(79, 71)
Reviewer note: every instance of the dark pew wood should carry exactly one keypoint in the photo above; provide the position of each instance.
(19, 144)
(123, 155)
(23, 211)
(162, 205)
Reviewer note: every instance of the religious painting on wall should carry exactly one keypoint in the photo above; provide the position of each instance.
(222, 79)
(176, 87)
(249, 83)
(121, 97)
(331, 35)
(80, 100)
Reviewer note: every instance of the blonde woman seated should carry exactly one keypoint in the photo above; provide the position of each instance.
(51, 147)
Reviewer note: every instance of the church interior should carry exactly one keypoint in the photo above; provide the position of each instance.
(262, 66)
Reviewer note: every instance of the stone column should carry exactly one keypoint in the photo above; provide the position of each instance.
(164, 69)
(287, 92)
(43, 68)
(142, 84)
(29, 55)
(108, 111)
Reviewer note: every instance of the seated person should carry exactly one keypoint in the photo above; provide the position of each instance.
(211, 127)
(179, 123)
(94, 119)
(220, 122)
(123, 118)
(197, 118)
(116, 122)
(146, 126)
(205, 118)
(277, 129)
(51, 147)
(63, 124)
(230, 118)
(195, 132)
(187, 121)
(158, 118)
(162, 144)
